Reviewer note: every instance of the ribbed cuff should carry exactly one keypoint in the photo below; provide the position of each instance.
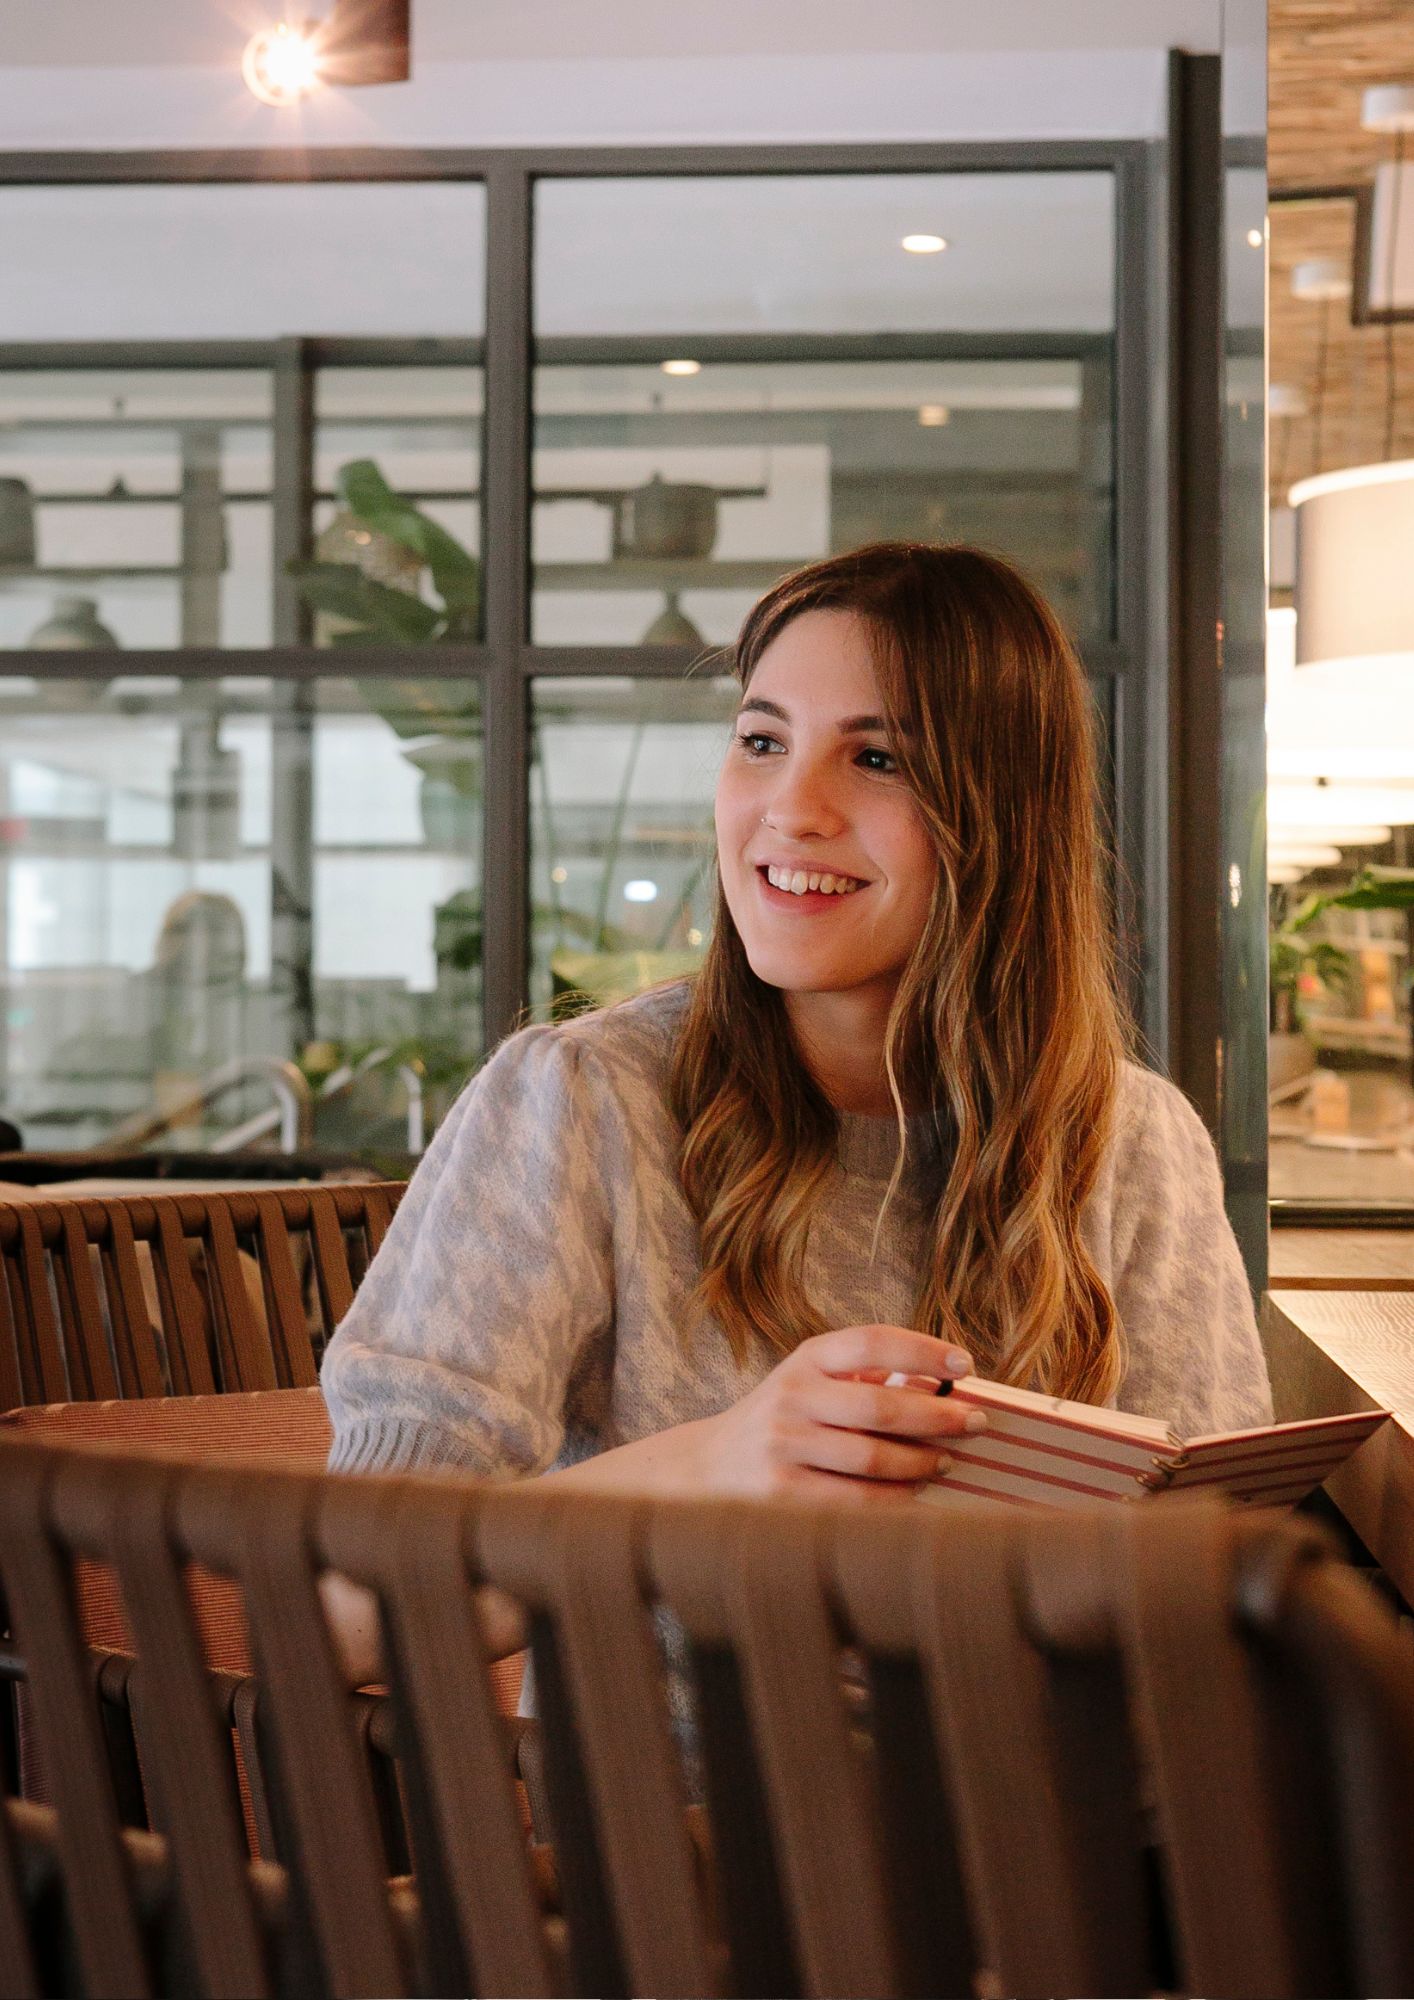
(386, 1444)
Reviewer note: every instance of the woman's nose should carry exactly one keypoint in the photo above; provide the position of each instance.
(802, 802)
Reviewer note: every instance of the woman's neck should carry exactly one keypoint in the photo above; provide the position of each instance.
(841, 1038)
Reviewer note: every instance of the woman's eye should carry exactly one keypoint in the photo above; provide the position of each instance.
(756, 745)
(878, 760)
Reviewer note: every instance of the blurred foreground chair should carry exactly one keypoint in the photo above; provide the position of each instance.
(121, 1296)
(1050, 1706)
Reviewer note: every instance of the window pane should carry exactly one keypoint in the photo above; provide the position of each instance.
(135, 503)
(251, 262)
(622, 858)
(135, 508)
(738, 375)
(196, 871)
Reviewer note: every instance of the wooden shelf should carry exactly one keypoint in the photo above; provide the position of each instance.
(644, 573)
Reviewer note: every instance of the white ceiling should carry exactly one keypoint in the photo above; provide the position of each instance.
(82, 74)
(150, 33)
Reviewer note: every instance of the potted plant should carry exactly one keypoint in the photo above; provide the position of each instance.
(1296, 958)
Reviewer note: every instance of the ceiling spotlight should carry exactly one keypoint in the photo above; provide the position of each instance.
(1255, 239)
(683, 367)
(933, 415)
(360, 41)
(924, 245)
(281, 64)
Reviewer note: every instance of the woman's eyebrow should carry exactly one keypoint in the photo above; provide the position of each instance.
(852, 725)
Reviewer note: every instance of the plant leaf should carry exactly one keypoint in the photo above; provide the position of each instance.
(342, 590)
(456, 574)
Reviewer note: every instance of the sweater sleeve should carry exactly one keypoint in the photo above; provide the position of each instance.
(495, 1275)
(1180, 1287)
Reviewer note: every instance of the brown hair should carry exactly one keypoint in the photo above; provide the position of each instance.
(1005, 1033)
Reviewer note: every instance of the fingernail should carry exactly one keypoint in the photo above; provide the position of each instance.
(975, 1420)
(959, 1362)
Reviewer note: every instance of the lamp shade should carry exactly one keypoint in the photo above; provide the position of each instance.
(1354, 591)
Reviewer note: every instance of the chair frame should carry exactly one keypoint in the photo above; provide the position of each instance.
(75, 1320)
(1037, 1691)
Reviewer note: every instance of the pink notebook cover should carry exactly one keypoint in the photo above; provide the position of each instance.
(1041, 1451)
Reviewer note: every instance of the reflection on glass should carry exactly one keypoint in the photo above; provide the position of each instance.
(622, 857)
(198, 871)
(1340, 863)
(716, 403)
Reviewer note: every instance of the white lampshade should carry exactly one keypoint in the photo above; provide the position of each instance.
(1354, 601)
(1340, 805)
(1301, 854)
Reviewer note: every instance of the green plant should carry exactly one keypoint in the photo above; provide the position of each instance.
(378, 614)
(1294, 953)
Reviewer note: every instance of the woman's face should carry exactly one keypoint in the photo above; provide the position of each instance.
(826, 865)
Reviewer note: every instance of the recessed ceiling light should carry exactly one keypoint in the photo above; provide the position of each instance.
(640, 892)
(931, 415)
(683, 367)
(924, 245)
(1256, 238)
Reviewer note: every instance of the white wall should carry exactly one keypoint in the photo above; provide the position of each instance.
(78, 74)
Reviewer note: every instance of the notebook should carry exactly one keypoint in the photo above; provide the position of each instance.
(1040, 1451)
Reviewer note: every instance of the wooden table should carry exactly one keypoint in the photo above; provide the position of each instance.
(1348, 1260)
(1334, 1351)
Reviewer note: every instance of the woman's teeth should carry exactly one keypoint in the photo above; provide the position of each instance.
(796, 882)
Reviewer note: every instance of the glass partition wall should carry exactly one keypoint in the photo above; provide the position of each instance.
(365, 591)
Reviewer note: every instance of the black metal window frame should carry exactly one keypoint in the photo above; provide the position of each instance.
(1125, 668)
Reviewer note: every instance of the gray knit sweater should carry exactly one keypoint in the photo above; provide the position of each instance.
(527, 1307)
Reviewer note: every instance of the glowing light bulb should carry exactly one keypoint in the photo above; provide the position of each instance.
(1255, 239)
(281, 64)
(933, 415)
(683, 367)
(922, 244)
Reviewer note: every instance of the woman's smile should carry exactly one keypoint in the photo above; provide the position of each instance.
(801, 890)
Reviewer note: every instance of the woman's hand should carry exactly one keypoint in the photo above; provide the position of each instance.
(826, 1420)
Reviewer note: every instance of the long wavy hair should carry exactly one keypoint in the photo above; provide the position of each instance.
(1005, 1037)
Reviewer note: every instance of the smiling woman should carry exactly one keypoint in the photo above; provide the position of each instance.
(886, 1130)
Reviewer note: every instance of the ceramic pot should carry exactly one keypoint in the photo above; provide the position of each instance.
(72, 627)
(665, 519)
(672, 627)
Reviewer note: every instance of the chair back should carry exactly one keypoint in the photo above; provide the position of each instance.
(1108, 1753)
(120, 1296)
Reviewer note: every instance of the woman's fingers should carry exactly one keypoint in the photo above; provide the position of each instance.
(851, 1350)
(864, 1455)
(896, 1412)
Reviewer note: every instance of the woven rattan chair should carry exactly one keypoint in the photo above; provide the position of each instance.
(1021, 1754)
(120, 1296)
